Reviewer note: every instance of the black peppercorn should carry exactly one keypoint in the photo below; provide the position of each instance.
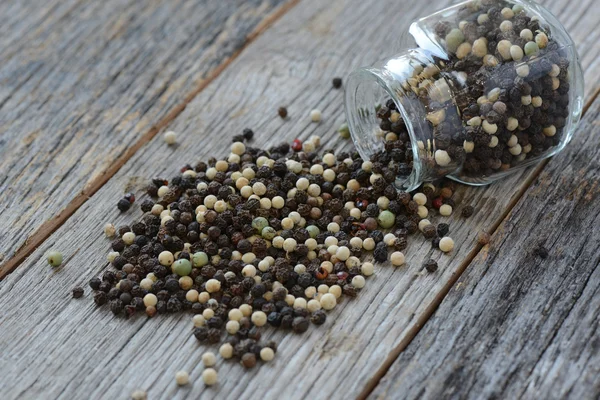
(78, 292)
(116, 306)
(123, 205)
(282, 111)
(318, 317)
(468, 211)
(95, 283)
(430, 265)
(201, 333)
(286, 321)
(248, 134)
(442, 229)
(380, 254)
(337, 83)
(100, 298)
(300, 324)
(542, 252)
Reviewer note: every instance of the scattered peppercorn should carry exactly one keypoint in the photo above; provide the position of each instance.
(139, 395)
(318, 317)
(270, 236)
(182, 378)
(344, 131)
(123, 205)
(283, 113)
(170, 137)
(468, 211)
(337, 83)
(248, 134)
(209, 376)
(297, 145)
(430, 265)
(55, 258)
(77, 292)
(315, 115)
(483, 238)
(542, 252)
(300, 324)
(249, 360)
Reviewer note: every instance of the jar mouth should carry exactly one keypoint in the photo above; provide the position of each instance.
(366, 89)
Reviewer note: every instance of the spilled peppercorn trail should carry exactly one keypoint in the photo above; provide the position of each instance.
(267, 237)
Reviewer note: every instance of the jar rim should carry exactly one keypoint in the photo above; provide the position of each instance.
(363, 123)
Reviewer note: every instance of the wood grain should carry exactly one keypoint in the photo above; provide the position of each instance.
(94, 354)
(517, 325)
(85, 84)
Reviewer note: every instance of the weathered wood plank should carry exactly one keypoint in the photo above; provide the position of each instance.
(304, 50)
(84, 83)
(517, 325)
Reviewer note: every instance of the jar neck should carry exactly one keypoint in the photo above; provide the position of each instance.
(408, 80)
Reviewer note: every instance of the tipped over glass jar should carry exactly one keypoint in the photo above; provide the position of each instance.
(490, 87)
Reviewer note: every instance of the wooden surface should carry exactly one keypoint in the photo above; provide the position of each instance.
(516, 324)
(92, 354)
(83, 86)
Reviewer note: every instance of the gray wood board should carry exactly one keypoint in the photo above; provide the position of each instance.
(517, 325)
(95, 354)
(84, 82)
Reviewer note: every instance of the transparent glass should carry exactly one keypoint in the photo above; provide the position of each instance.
(489, 87)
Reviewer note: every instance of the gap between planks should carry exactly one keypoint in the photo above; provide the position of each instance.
(428, 312)
(50, 226)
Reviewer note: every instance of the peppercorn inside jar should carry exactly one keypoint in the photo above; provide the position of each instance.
(489, 88)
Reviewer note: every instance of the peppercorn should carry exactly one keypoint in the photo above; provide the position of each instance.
(209, 376)
(95, 283)
(380, 253)
(77, 292)
(100, 298)
(248, 133)
(54, 258)
(296, 145)
(542, 252)
(430, 265)
(123, 205)
(318, 317)
(248, 360)
(429, 231)
(201, 333)
(300, 324)
(282, 111)
(468, 211)
(483, 238)
(337, 83)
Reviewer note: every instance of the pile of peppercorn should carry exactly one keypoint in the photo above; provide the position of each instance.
(266, 237)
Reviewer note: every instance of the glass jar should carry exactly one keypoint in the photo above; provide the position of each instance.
(489, 88)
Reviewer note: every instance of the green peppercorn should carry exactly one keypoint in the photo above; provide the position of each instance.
(54, 258)
(200, 259)
(313, 231)
(344, 131)
(260, 223)
(182, 267)
(268, 233)
(386, 219)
